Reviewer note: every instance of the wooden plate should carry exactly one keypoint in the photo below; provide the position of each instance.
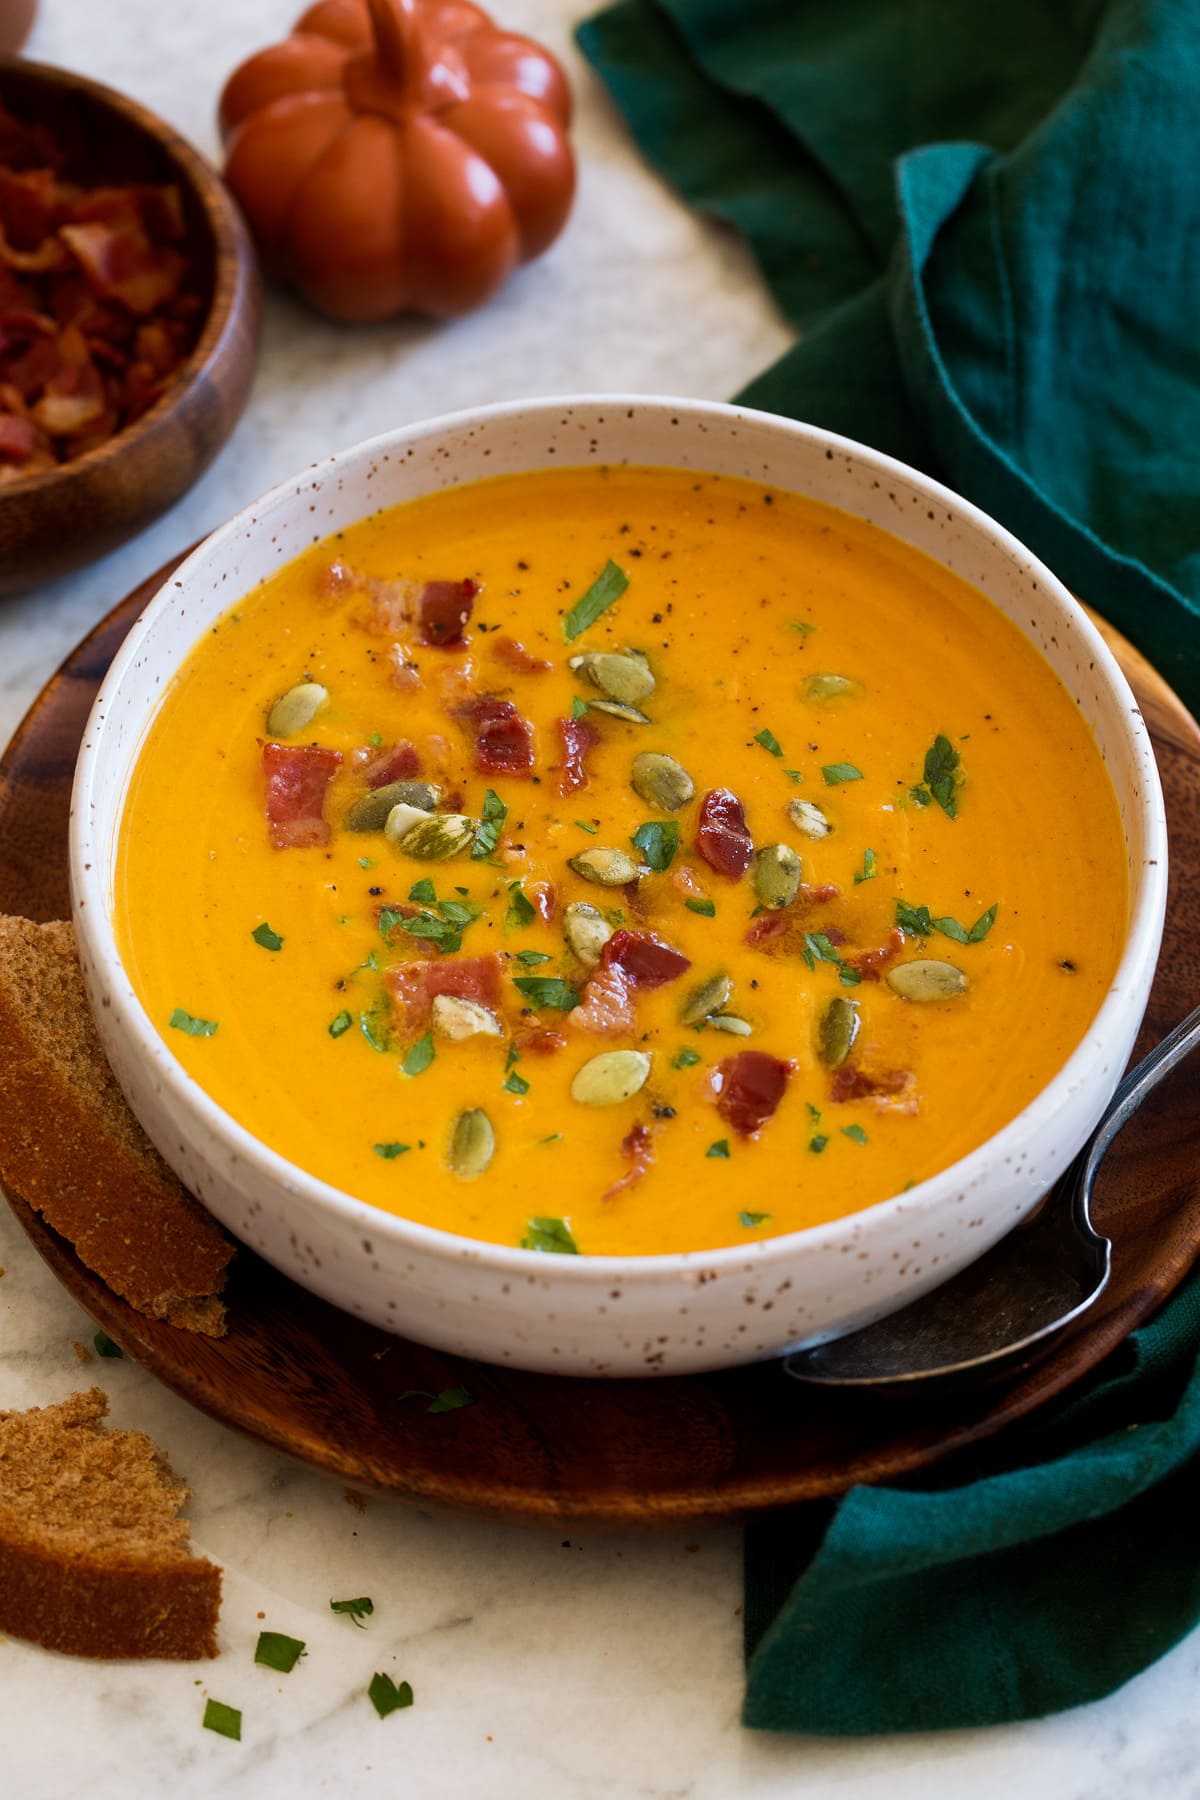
(309, 1380)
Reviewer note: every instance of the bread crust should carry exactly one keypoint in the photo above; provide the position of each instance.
(72, 1151)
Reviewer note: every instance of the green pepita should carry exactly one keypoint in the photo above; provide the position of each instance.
(776, 875)
(457, 1019)
(808, 819)
(709, 998)
(296, 709)
(586, 931)
(611, 1077)
(472, 1143)
(927, 980)
(830, 687)
(660, 781)
(838, 1030)
(617, 709)
(609, 868)
(430, 837)
(731, 1023)
(625, 676)
(370, 811)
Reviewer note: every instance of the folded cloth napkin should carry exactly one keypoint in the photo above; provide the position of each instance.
(986, 220)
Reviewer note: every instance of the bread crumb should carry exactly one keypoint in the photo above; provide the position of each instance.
(81, 1350)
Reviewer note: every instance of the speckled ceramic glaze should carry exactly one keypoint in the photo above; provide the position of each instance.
(609, 1315)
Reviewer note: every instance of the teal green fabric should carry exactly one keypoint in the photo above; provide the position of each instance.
(985, 221)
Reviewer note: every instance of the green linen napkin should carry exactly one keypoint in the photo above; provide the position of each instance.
(986, 220)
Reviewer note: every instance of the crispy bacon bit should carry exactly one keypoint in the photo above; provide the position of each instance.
(784, 930)
(890, 1088)
(297, 776)
(870, 963)
(443, 609)
(540, 1039)
(578, 736)
(405, 675)
(543, 897)
(748, 1088)
(644, 960)
(503, 739)
(18, 437)
(638, 1147)
(98, 302)
(400, 763)
(414, 986)
(606, 1009)
(721, 836)
(513, 654)
(337, 579)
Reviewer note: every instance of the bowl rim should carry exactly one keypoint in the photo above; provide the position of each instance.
(93, 914)
(230, 236)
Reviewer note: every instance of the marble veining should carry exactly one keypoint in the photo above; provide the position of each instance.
(544, 1666)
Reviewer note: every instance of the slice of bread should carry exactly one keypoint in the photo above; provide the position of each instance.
(94, 1558)
(73, 1151)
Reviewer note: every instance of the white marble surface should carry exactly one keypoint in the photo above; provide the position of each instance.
(588, 1669)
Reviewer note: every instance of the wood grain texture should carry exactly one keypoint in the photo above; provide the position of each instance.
(73, 515)
(310, 1381)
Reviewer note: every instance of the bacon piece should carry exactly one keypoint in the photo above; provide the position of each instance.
(122, 264)
(890, 1087)
(400, 763)
(644, 959)
(443, 608)
(513, 654)
(578, 736)
(503, 739)
(543, 897)
(297, 776)
(638, 1147)
(540, 1039)
(869, 963)
(721, 836)
(606, 1009)
(414, 986)
(337, 579)
(784, 930)
(405, 675)
(748, 1088)
(18, 437)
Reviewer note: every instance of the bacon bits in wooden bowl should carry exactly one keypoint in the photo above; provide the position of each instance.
(129, 307)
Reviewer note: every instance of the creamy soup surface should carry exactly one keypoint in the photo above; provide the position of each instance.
(788, 895)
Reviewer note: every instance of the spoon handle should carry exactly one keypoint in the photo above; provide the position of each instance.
(1166, 1056)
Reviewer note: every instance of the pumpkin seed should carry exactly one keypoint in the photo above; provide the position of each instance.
(616, 709)
(296, 709)
(660, 781)
(609, 868)
(731, 1023)
(808, 819)
(776, 875)
(624, 676)
(457, 1019)
(586, 931)
(431, 837)
(370, 811)
(839, 1028)
(927, 980)
(472, 1143)
(703, 1001)
(830, 687)
(611, 1077)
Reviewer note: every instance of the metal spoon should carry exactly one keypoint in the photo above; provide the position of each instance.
(1002, 1309)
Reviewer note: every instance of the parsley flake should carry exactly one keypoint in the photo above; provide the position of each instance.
(750, 1220)
(531, 958)
(869, 869)
(608, 586)
(490, 826)
(585, 826)
(185, 1021)
(547, 990)
(390, 1152)
(658, 841)
(358, 1610)
(419, 1057)
(836, 773)
(943, 777)
(375, 1025)
(578, 707)
(340, 1025)
(720, 1148)
(817, 1144)
(552, 1236)
(855, 1132)
(769, 741)
(521, 911)
(105, 1346)
(685, 1058)
(705, 908)
(277, 1651)
(817, 948)
(516, 1084)
(227, 1720)
(423, 892)
(449, 1400)
(268, 939)
(917, 921)
(386, 1697)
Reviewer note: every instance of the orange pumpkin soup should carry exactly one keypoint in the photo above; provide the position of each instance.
(619, 861)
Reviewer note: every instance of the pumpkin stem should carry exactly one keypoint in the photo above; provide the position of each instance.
(394, 24)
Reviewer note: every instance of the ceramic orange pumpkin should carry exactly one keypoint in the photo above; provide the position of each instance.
(399, 155)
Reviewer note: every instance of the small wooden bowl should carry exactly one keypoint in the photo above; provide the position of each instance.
(57, 521)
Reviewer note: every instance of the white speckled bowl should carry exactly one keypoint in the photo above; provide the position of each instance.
(609, 1315)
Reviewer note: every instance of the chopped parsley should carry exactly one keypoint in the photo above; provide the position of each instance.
(817, 948)
(521, 911)
(817, 1144)
(836, 773)
(516, 1084)
(943, 777)
(491, 825)
(444, 927)
(769, 741)
(224, 1719)
(720, 1148)
(375, 1025)
(531, 958)
(685, 1058)
(658, 841)
(341, 1024)
(364, 862)
(869, 869)
(358, 1610)
(578, 707)
(917, 921)
(423, 892)
(750, 1220)
(552, 1236)
(186, 1021)
(105, 1346)
(585, 826)
(419, 1057)
(386, 1697)
(705, 908)
(268, 939)
(390, 1152)
(276, 1651)
(608, 586)
(854, 1132)
(801, 626)
(451, 1399)
(547, 990)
